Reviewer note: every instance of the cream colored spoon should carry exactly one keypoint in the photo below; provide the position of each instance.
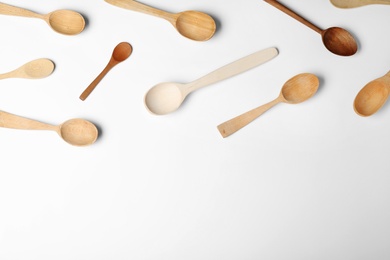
(78, 132)
(372, 96)
(194, 25)
(35, 69)
(120, 53)
(166, 97)
(357, 3)
(295, 90)
(337, 40)
(62, 21)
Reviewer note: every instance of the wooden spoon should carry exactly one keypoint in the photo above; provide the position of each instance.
(194, 25)
(78, 132)
(165, 98)
(121, 52)
(35, 69)
(372, 96)
(357, 3)
(337, 40)
(295, 90)
(62, 21)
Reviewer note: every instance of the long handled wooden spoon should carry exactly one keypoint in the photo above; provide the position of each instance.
(78, 132)
(62, 21)
(166, 97)
(337, 40)
(372, 96)
(121, 52)
(194, 25)
(295, 90)
(357, 3)
(35, 69)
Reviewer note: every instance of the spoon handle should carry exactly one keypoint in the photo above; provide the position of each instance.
(233, 125)
(17, 11)
(96, 81)
(8, 120)
(234, 68)
(139, 7)
(293, 15)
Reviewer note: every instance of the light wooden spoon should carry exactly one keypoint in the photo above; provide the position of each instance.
(78, 132)
(194, 25)
(62, 21)
(35, 69)
(166, 97)
(357, 3)
(120, 53)
(372, 96)
(337, 40)
(295, 90)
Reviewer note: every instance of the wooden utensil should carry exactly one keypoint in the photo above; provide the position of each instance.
(337, 40)
(295, 90)
(357, 3)
(78, 132)
(35, 69)
(121, 52)
(166, 97)
(194, 25)
(62, 21)
(372, 96)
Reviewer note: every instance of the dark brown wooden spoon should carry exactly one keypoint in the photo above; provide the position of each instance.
(337, 40)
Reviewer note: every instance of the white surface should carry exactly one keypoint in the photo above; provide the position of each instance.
(307, 181)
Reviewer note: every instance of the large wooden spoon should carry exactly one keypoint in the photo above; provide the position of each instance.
(295, 90)
(166, 97)
(62, 21)
(337, 40)
(35, 69)
(120, 53)
(357, 3)
(78, 132)
(194, 25)
(372, 96)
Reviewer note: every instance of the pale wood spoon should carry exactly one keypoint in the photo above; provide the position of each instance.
(35, 69)
(166, 97)
(337, 40)
(372, 96)
(120, 53)
(295, 90)
(194, 25)
(62, 21)
(357, 3)
(78, 132)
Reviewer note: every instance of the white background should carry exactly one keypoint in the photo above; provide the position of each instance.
(306, 181)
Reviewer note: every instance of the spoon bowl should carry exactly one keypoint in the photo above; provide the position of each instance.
(357, 3)
(78, 132)
(35, 69)
(66, 22)
(120, 53)
(164, 98)
(296, 90)
(372, 96)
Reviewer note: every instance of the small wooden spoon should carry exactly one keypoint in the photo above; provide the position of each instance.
(78, 132)
(194, 25)
(35, 69)
(372, 96)
(357, 3)
(121, 52)
(337, 40)
(166, 97)
(295, 90)
(62, 21)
